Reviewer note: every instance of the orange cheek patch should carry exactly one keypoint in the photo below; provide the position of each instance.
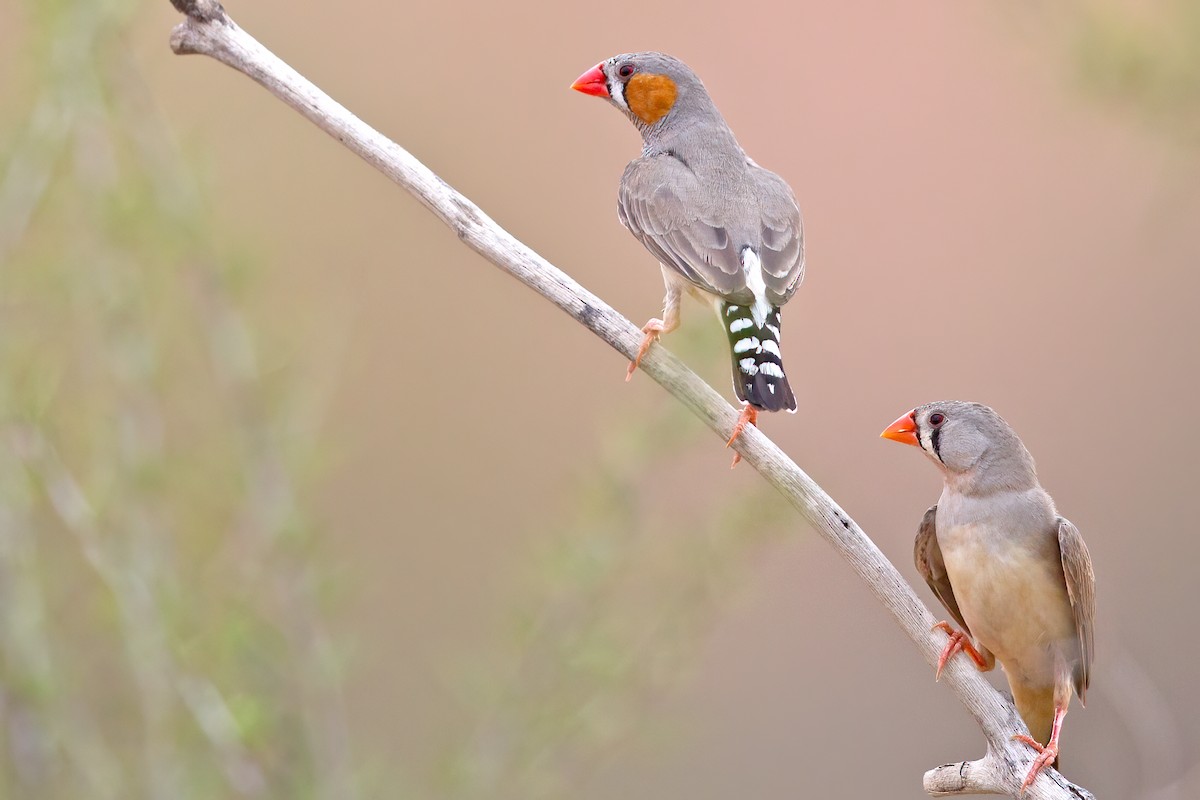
(650, 96)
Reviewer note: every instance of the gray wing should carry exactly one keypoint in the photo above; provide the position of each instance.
(1081, 588)
(664, 205)
(657, 204)
(782, 252)
(928, 556)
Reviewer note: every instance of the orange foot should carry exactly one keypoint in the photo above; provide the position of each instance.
(958, 641)
(652, 329)
(749, 417)
(1046, 756)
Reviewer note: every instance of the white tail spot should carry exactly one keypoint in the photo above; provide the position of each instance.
(771, 347)
(748, 366)
(749, 343)
(740, 325)
(770, 368)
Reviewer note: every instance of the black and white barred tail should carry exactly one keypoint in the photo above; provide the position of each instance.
(758, 375)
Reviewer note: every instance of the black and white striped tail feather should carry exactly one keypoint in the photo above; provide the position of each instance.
(758, 376)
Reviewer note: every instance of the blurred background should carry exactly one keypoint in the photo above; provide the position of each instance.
(263, 536)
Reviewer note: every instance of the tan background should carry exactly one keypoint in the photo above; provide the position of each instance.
(976, 229)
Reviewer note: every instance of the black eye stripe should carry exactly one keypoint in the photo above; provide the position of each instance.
(935, 438)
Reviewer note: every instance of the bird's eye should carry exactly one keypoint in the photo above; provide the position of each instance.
(936, 419)
(626, 70)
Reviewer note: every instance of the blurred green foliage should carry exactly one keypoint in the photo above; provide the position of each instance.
(160, 605)
(1145, 57)
(160, 594)
(617, 601)
(160, 590)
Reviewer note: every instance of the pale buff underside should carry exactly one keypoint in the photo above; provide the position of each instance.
(1015, 602)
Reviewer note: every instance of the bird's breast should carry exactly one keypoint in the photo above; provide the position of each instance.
(1012, 594)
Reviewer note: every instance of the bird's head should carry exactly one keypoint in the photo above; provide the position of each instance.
(647, 87)
(965, 440)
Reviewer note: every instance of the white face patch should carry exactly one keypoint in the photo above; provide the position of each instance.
(925, 437)
(616, 90)
(755, 283)
(748, 366)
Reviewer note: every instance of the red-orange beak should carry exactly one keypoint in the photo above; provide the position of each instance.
(903, 430)
(592, 82)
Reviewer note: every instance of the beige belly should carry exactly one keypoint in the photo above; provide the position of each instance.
(1013, 599)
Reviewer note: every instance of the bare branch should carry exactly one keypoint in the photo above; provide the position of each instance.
(996, 774)
(209, 31)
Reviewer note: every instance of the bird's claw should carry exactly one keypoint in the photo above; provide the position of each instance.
(958, 641)
(749, 416)
(652, 329)
(1046, 755)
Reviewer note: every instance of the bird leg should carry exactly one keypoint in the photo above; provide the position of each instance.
(653, 329)
(1047, 754)
(656, 327)
(749, 417)
(958, 641)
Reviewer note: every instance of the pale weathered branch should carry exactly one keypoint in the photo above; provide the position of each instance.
(209, 31)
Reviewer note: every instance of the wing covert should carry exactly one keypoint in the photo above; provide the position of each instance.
(932, 567)
(1081, 588)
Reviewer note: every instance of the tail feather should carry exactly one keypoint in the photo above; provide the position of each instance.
(758, 375)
